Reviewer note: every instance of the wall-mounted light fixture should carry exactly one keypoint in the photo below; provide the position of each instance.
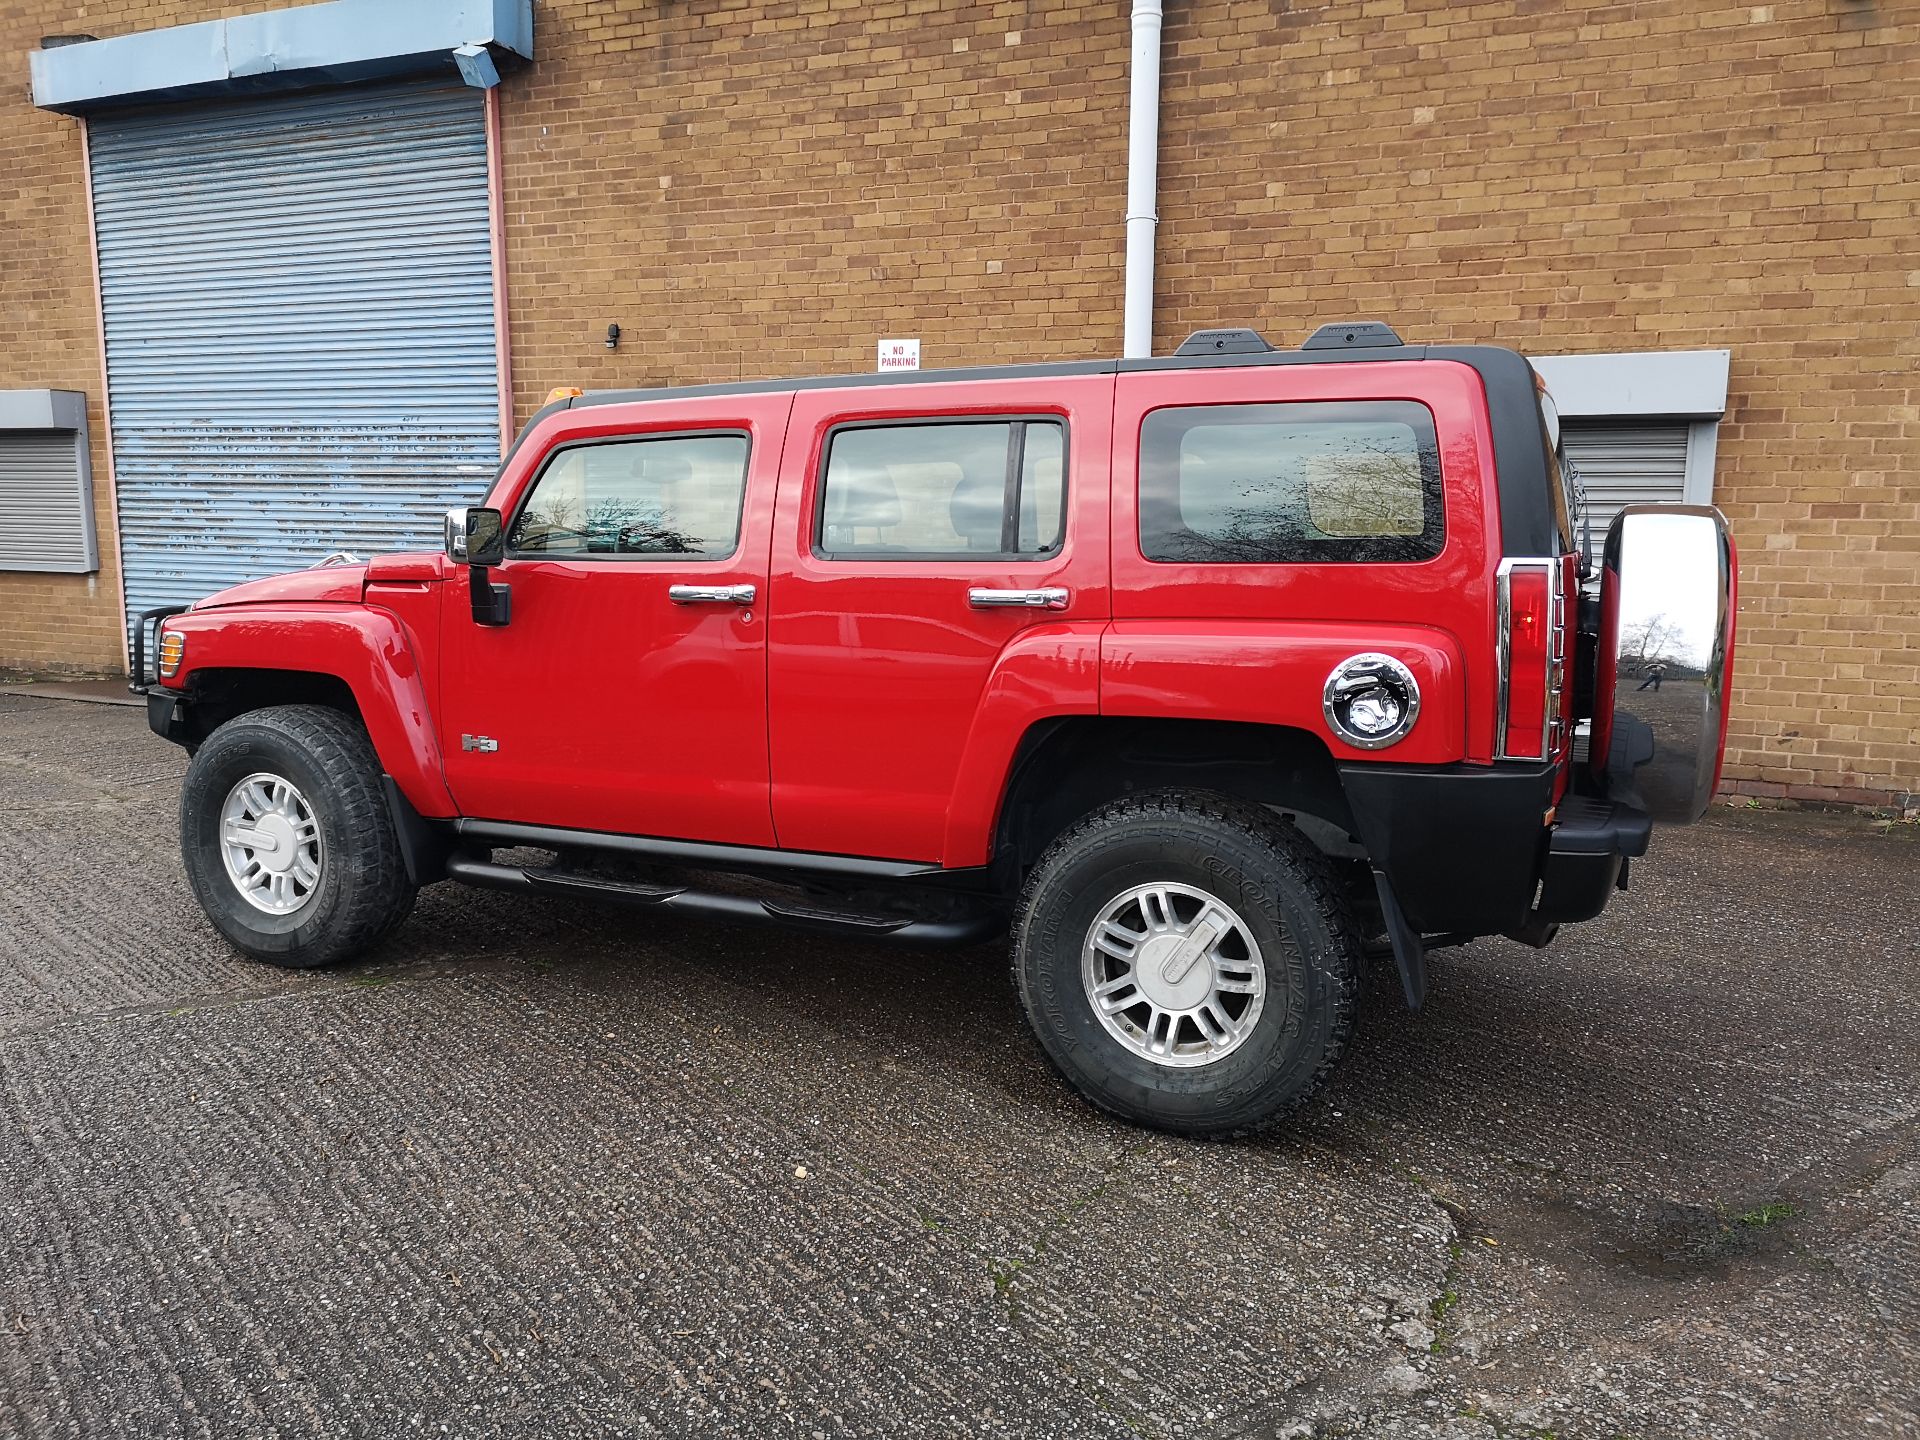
(613, 337)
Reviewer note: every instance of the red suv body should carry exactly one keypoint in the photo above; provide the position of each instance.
(1298, 637)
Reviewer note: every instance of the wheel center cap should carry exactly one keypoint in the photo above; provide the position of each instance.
(278, 856)
(1170, 978)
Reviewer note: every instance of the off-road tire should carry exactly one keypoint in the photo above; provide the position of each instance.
(363, 891)
(1289, 897)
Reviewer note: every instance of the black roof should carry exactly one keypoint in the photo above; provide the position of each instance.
(1519, 446)
(1038, 371)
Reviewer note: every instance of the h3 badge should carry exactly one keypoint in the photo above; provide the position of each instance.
(485, 744)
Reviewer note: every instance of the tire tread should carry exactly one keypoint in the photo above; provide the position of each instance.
(1310, 869)
(380, 896)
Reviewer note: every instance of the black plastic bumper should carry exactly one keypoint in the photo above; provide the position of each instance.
(1466, 848)
(163, 713)
(1587, 854)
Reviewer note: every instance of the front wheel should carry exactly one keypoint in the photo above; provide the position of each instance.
(1188, 963)
(286, 837)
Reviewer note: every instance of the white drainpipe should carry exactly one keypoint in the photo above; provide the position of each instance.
(1143, 177)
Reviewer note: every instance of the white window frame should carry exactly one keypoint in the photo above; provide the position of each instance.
(1688, 385)
(58, 411)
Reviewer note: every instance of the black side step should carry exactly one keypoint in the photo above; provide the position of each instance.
(702, 855)
(970, 927)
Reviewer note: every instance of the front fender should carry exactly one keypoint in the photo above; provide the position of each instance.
(369, 650)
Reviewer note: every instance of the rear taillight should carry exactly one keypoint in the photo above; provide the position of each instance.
(1533, 663)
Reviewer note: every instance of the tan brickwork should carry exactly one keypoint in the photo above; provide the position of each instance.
(49, 327)
(1565, 178)
(769, 188)
(765, 189)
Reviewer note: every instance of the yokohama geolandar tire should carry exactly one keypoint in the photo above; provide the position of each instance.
(286, 837)
(1188, 963)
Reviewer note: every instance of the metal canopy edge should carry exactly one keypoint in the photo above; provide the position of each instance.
(43, 410)
(337, 42)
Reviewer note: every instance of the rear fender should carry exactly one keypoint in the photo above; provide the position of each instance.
(1269, 672)
(369, 650)
(1046, 671)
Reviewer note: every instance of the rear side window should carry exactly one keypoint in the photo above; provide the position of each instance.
(969, 489)
(664, 497)
(1347, 480)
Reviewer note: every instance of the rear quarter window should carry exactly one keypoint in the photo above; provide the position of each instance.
(1354, 481)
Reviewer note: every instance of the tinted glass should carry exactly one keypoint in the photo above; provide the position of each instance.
(675, 496)
(1272, 484)
(1560, 478)
(1043, 473)
(993, 488)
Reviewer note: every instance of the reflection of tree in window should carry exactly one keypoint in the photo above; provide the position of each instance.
(1254, 492)
(676, 496)
(943, 489)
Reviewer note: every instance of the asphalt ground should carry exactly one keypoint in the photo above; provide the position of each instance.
(542, 1171)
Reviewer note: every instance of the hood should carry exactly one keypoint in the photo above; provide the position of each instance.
(340, 583)
(337, 584)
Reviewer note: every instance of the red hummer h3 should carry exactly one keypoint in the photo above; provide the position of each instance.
(1211, 675)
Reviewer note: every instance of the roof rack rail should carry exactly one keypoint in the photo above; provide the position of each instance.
(1353, 334)
(1225, 342)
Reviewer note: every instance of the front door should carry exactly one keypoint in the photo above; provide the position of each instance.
(627, 692)
(923, 530)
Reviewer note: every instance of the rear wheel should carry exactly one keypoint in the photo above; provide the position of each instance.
(1188, 962)
(286, 837)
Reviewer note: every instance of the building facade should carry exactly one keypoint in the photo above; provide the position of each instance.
(316, 286)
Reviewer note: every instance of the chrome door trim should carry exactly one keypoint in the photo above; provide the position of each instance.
(1053, 597)
(711, 594)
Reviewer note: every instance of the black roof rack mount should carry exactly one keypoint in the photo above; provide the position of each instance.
(1352, 334)
(1224, 342)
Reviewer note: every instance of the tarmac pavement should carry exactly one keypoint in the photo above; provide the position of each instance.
(542, 1171)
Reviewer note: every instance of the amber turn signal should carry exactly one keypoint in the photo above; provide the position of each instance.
(173, 650)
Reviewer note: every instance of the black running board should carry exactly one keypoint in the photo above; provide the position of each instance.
(704, 855)
(971, 927)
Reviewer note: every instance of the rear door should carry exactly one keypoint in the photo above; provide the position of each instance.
(1271, 520)
(627, 692)
(922, 529)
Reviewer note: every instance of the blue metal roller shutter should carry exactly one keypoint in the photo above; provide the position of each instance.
(298, 295)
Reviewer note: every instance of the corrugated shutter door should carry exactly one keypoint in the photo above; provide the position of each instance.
(298, 295)
(1626, 465)
(46, 514)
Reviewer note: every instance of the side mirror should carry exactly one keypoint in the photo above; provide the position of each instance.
(486, 537)
(474, 536)
(477, 539)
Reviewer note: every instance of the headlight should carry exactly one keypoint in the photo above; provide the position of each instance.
(173, 650)
(1371, 701)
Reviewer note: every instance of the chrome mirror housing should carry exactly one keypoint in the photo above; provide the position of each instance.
(456, 534)
(1666, 648)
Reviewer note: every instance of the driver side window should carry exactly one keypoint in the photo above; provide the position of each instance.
(666, 496)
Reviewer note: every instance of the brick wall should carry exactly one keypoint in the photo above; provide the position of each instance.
(1564, 178)
(49, 329)
(765, 189)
